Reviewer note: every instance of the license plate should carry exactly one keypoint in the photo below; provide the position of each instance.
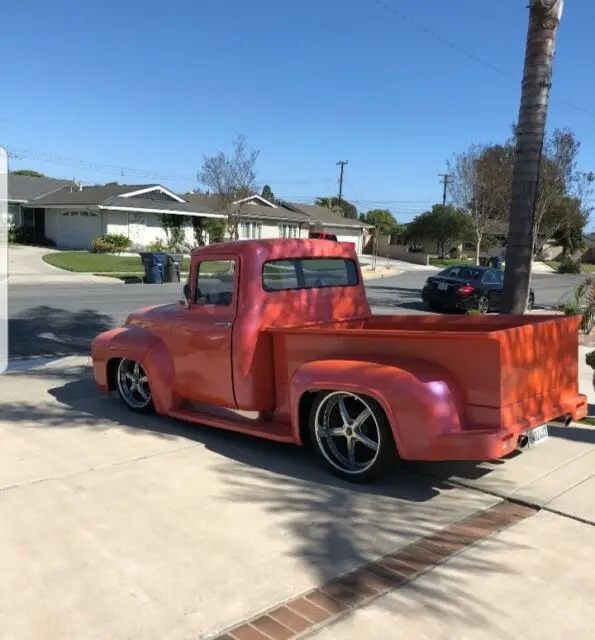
(442, 286)
(538, 436)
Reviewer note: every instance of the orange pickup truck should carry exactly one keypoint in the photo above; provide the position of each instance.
(275, 338)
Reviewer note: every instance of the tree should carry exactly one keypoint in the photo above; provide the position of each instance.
(268, 194)
(381, 219)
(231, 179)
(28, 172)
(480, 185)
(173, 225)
(544, 18)
(574, 217)
(444, 224)
(342, 207)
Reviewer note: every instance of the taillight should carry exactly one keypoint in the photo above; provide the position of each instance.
(465, 290)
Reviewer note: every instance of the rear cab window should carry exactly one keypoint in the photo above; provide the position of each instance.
(215, 282)
(309, 273)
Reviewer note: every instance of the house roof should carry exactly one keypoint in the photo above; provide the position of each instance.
(248, 210)
(159, 206)
(324, 216)
(72, 195)
(25, 188)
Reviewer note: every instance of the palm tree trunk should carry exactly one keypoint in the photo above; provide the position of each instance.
(544, 19)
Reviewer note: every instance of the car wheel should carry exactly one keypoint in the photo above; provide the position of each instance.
(133, 386)
(351, 435)
(433, 306)
(531, 301)
(483, 304)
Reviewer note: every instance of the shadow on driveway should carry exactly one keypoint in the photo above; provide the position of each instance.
(338, 526)
(45, 331)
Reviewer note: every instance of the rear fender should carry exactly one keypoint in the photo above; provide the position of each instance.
(419, 398)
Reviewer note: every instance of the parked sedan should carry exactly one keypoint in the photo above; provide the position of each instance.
(465, 287)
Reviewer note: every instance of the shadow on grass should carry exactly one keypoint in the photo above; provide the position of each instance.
(45, 331)
(333, 526)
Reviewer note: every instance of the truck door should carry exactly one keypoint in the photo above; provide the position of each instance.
(203, 340)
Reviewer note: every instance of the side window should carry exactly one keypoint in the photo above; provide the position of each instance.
(490, 277)
(453, 272)
(215, 282)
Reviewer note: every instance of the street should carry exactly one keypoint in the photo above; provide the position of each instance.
(61, 320)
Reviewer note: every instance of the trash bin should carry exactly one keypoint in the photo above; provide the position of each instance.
(154, 264)
(172, 269)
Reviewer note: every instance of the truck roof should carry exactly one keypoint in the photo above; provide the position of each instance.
(279, 248)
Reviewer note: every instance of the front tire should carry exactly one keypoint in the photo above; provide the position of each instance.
(351, 436)
(133, 387)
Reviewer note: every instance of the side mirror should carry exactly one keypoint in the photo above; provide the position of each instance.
(187, 291)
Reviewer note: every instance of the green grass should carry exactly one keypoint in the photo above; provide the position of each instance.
(86, 262)
(589, 421)
(448, 262)
(585, 268)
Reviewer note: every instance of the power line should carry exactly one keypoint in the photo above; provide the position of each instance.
(465, 52)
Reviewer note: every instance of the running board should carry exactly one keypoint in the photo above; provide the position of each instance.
(231, 421)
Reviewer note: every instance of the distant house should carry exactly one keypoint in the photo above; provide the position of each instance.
(22, 194)
(322, 219)
(74, 216)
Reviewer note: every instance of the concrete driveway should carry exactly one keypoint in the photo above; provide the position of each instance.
(26, 267)
(123, 526)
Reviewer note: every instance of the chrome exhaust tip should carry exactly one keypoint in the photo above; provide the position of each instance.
(562, 421)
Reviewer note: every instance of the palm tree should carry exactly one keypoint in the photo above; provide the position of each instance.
(544, 18)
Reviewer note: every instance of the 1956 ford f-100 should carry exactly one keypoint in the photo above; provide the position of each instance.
(275, 338)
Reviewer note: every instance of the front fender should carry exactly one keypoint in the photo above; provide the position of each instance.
(123, 342)
(419, 398)
(158, 365)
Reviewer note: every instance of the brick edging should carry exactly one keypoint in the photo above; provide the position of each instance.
(318, 607)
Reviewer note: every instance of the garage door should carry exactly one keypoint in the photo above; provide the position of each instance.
(78, 229)
(353, 238)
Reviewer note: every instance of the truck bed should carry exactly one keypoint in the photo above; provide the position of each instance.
(509, 372)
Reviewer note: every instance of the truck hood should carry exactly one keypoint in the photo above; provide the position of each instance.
(151, 316)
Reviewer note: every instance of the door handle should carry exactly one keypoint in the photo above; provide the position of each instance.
(225, 325)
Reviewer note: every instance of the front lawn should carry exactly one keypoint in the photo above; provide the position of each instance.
(585, 268)
(86, 262)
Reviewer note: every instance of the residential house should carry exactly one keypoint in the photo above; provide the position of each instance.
(259, 218)
(75, 215)
(22, 193)
(72, 216)
(328, 221)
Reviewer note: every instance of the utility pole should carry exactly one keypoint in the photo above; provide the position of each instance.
(446, 180)
(342, 163)
(544, 18)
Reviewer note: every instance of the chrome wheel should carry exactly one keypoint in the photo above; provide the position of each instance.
(483, 305)
(347, 433)
(133, 385)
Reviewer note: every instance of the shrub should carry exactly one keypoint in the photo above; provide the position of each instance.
(20, 235)
(455, 253)
(582, 302)
(157, 245)
(25, 235)
(111, 243)
(568, 265)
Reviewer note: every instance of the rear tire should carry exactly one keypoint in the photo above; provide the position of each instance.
(434, 306)
(351, 436)
(483, 305)
(531, 302)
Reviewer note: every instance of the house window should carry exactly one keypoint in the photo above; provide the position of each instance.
(250, 230)
(288, 230)
(14, 215)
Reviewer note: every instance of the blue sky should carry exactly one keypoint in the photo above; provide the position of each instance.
(153, 86)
